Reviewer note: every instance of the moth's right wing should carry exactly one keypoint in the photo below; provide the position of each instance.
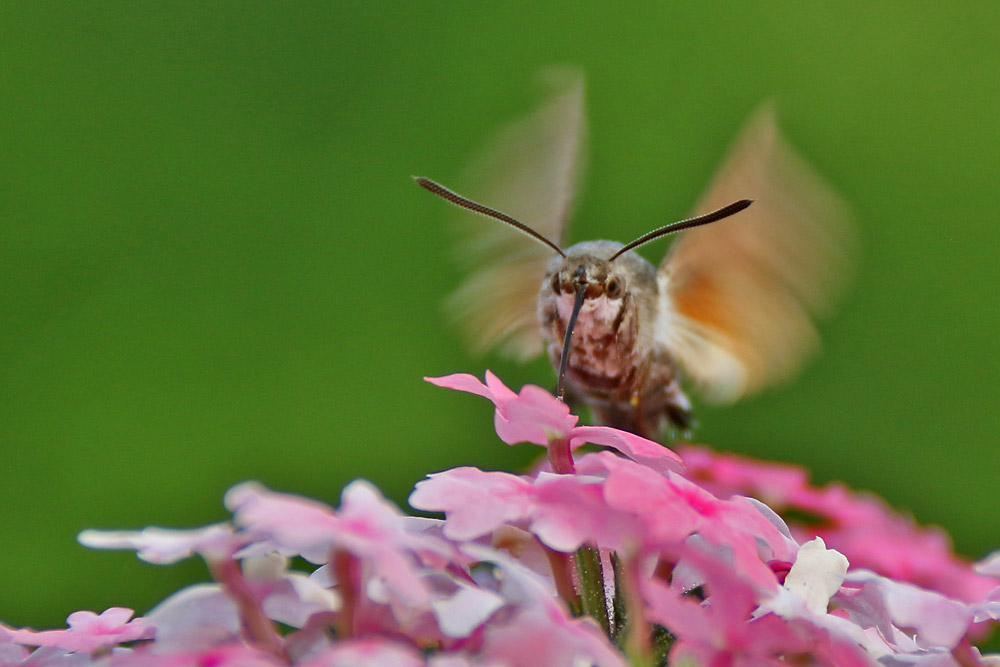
(739, 296)
(529, 171)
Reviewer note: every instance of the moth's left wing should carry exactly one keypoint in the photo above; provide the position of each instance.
(738, 296)
(529, 172)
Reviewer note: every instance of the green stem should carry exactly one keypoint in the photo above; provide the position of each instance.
(618, 603)
(590, 577)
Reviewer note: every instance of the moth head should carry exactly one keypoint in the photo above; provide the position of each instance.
(586, 266)
(601, 271)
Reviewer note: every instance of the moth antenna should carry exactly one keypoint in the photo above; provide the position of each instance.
(459, 200)
(687, 223)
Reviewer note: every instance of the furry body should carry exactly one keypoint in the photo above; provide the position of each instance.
(616, 364)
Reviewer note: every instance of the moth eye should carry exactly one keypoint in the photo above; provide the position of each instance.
(614, 287)
(555, 283)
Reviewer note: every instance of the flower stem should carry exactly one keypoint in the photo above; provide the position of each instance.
(618, 604)
(593, 601)
(257, 628)
(562, 575)
(965, 655)
(560, 456)
(345, 570)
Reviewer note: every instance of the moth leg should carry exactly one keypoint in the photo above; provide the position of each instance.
(678, 409)
(647, 425)
(666, 416)
(633, 415)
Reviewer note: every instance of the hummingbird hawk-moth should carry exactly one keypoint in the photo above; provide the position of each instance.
(728, 310)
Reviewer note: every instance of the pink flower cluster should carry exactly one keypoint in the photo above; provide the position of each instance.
(627, 555)
(873, 535)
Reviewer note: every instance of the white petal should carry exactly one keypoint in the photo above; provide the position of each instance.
(816, 574)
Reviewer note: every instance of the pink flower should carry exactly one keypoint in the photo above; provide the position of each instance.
(87, 631)
(928, 618)
(475, 502)
(367, 526)
(539, 636)
(989, 608)
(164, 545)
(538, 417)
(673, 508)
(196, 618)
(538, 630)
(723, 628)
(563, 511)
(990, 566)
(462, 612)
(373, 651)
(228, 655)
(719, 570)
(618, 504)
(860, 526)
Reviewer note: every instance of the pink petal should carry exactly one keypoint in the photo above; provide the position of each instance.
(293, 523)
(369, 527)
(475, 502)
(468, 608)
(989, 608)
(195, 618)
(88, 631)
(500, 391)
(673, 508)
(534, 638)
(639, 449)
(541, 631)
(164, 546)
(109, 620)
(990, 566)
(686, 616)
(571, 511)
(368, 511)
(229, 655)
(10, 653)
(934, 619)
(462, 382)
(866, 530)
(534, 415)
(367, 651)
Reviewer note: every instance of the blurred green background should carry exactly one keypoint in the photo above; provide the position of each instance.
(214, 266)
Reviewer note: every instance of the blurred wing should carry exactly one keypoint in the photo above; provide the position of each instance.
(529, 172)
(738, 295)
